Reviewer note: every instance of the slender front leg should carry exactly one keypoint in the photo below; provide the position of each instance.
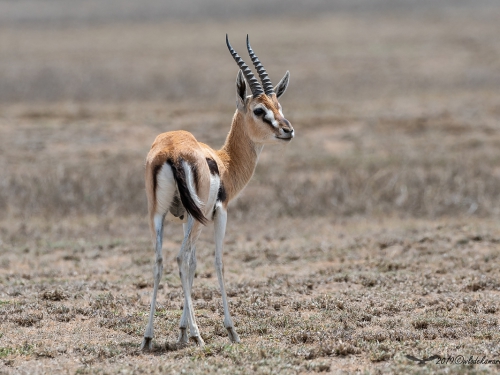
(187, 267)
(147, 343)
(220, 231)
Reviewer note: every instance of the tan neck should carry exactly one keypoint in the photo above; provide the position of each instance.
(239, 155)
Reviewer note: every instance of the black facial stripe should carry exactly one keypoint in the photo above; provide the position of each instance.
(212, 165)
(267, 121)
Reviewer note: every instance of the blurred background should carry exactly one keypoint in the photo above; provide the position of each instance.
(395, 103)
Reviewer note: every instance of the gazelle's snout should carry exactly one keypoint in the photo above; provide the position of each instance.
(286, 131)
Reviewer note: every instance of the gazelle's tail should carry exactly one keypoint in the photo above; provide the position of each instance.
(184, 177)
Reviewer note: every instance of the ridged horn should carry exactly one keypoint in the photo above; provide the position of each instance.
(264, 78)
(255, 86)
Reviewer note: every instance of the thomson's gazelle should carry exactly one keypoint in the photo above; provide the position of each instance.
(189, 182)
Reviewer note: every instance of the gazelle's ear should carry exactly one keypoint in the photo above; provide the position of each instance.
(241, 91)
(280, 88)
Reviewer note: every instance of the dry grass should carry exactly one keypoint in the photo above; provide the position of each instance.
(356, 296)
(370, 237)
(401, 113)
(431, 165)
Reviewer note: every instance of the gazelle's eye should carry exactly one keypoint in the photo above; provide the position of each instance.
(258, 112)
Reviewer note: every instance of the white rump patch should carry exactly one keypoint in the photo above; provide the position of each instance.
(165, 189)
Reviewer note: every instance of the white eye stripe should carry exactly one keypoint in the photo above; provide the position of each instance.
(269, 115)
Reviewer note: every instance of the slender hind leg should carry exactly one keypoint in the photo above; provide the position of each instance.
(183, 336)
(186, 259)
(147, 343)
(183, 325)
(219, 232)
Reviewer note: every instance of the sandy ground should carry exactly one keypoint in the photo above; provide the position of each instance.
(325, 296)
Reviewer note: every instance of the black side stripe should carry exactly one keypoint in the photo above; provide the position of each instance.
(221, 195)
(214, 170)
(186, 198)
(212, 165)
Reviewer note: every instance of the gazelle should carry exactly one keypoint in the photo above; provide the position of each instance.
(189, 182)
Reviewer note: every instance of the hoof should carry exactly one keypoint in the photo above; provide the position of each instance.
(147, 344)
(198, 340)
(183, 337)
(233, 336)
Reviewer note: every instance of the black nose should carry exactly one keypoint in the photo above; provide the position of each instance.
(287, 130)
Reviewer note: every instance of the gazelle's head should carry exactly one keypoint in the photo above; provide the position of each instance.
(262, 111)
